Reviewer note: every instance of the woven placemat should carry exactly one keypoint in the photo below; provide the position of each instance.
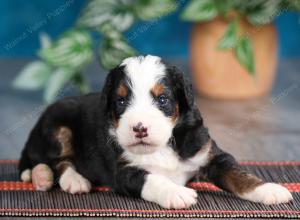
(21, 199)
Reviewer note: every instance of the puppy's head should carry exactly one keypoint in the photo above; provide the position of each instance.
(144, 99)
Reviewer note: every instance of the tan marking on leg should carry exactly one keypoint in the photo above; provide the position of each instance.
(42, 177)
(63, 165)
(64, 137)
(240, 181)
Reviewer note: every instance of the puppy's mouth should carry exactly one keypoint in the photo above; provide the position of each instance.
(141, 143)
(142, 147)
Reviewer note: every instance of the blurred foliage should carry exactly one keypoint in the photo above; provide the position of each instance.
(64, 60)
(256, 12)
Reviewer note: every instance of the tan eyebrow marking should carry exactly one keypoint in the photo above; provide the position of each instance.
(158, 89)
(122, 90)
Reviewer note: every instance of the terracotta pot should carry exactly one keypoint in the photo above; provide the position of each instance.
(218, 74)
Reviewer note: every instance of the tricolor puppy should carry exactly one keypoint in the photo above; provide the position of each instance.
(143, 135)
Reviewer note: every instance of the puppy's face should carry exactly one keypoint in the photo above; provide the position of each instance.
(143, 104)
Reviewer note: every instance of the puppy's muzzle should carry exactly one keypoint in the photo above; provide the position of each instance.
(140, 130)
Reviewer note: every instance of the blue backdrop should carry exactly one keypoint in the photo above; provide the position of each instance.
(22, 21)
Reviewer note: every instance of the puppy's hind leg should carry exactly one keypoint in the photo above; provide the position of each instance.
(26, 175)
(25, 167)
(42, 177)
(69, 179)
(225, 172)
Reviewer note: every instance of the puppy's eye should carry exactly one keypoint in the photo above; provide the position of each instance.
(121, 102)
(163, 100)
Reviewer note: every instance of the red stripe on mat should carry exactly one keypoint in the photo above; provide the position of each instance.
(155, 211)
(205, 186)
(245, 163)
(200, 186)
(270, 163)
(23, 186)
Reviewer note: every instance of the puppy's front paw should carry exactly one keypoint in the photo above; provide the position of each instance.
(178, 197)
(72, 182)
(269, 194)
(167, 194)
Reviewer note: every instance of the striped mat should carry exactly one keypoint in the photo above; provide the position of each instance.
(21, 199)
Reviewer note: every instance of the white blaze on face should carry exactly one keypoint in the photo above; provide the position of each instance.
(144, 73)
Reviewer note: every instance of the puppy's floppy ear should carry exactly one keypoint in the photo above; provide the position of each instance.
(107, 91)
(183, 89)
(109, 85)
(189, 133)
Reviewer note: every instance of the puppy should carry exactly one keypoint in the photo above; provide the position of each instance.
(143, 135)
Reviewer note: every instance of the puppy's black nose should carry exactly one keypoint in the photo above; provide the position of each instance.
(140, 130)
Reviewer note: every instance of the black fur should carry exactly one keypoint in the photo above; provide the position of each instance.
(130, 180)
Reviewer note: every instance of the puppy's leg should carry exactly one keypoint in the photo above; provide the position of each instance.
(69, 179)
(25, 167)
(167, 194)
(26, 175)
(42, 177)
(225, 172)
(154, 188)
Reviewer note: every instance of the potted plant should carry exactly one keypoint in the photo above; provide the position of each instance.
(233, 47)
(64, 60)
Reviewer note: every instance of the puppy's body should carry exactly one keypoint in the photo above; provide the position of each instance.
(78, 115)
(143, 136)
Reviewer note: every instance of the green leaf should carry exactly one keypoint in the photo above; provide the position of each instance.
(152, 9)
(224, 6)
(119, 13)
(73, 50)
(264, 13)
(244, 54)
(110, 32)
(230, 37)
(113, 52)
(80, 81)
(33, 76)
(200, 10)
(247, 6)
(294, 5)
(59, 78)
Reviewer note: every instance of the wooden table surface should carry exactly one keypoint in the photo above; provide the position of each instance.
(266, 128)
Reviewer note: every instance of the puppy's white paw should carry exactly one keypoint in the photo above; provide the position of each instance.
(178, 197)
(167, 194)
(26, 176)
(42, 177)
(72, 182)
(269, 194)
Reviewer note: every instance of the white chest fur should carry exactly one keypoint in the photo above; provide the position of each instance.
(166, 162)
